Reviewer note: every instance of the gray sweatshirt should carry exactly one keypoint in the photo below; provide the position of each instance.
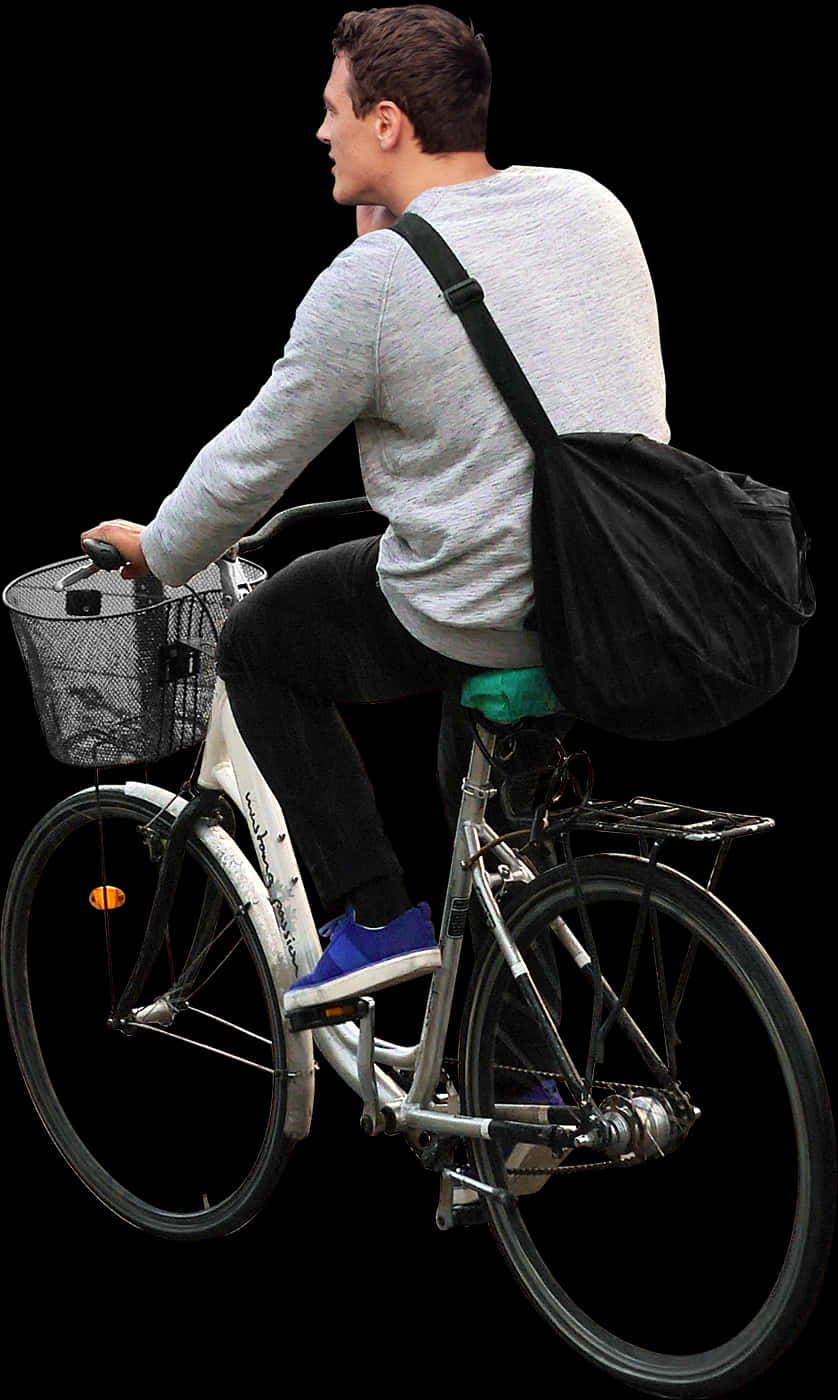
(375, 344)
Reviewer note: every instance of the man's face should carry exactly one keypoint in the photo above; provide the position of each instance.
(352, 142)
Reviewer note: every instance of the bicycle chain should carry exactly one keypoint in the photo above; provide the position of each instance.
(614, 1086)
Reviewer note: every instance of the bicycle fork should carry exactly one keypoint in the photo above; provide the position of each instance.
(162, 1012)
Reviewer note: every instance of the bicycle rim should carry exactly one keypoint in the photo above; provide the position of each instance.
(178, 1128)
(687, 1271)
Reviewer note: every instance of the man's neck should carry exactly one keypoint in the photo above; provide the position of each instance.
(429, 172)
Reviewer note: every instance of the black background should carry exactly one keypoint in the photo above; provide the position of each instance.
(171, 207)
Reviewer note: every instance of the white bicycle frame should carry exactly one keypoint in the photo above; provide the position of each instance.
(229, 767)
(279, 909)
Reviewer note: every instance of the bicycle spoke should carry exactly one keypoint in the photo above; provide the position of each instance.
(105, 909)
(202, 1045)
(221, 1021)
(618, 1013)
(198, 961)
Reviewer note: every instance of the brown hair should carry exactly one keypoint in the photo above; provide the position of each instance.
(431, 64)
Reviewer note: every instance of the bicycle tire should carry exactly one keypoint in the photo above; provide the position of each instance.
(637, 1307)
(151, 1125)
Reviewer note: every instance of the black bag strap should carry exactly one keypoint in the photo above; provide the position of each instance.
(465, 296)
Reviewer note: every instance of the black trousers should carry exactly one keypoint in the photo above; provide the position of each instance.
(317, 634)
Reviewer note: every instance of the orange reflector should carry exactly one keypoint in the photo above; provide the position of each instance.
(106, 897)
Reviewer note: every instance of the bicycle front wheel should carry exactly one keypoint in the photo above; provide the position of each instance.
(179, 1123)
(685, 1258)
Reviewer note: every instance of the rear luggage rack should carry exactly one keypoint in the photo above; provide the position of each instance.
(657, 819)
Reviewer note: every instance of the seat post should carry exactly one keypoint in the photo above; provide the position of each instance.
(476, 792)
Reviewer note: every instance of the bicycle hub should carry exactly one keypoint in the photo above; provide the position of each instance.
(644, 1125)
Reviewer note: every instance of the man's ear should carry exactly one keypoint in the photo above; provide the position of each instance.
(391, 125)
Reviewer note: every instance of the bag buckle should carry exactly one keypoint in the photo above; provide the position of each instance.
(463, 294)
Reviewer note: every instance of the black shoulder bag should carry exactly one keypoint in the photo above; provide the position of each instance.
(669, 595)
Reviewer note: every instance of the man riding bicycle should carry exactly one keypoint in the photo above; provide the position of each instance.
(445, 591)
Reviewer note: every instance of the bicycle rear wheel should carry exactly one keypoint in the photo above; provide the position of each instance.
(685, 1264)
(181, 1129)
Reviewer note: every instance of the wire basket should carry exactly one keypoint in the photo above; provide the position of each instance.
(121, 671)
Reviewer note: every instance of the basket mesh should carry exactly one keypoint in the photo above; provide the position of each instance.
(121, 671)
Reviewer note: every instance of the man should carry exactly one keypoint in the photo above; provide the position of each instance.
(447, 588)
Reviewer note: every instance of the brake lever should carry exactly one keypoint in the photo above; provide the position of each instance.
(102, 556)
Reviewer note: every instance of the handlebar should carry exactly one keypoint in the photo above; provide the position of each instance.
(106, 556)
(293, 515)
(103, 555)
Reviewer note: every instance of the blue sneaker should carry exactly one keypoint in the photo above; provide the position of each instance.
(527, 1157)
(546, 1091)
(361, 960)
(529, 1165)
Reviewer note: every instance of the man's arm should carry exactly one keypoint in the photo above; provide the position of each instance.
(125, 534)
(325, 380)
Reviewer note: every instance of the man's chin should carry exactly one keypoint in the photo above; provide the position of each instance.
(349, 198)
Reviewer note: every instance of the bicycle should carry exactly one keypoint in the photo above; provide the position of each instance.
(559, 1103)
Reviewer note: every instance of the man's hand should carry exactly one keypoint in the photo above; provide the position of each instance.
(125, 535)
(370, 217)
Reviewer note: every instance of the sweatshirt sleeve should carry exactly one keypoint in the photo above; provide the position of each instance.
(324, 381)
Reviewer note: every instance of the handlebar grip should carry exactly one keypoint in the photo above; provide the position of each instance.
(104, 555)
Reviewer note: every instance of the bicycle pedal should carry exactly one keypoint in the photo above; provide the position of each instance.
(461, 1204)
(472, 1213)
(310, 1018)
